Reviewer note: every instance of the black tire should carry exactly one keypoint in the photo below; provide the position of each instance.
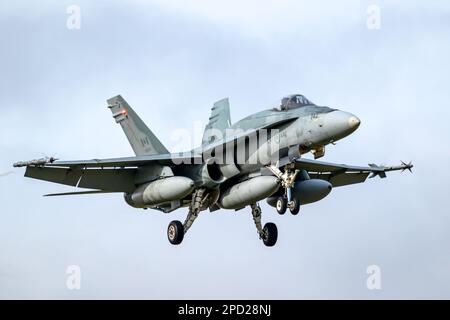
(281, 205)
(271, 231)
(295, 207)
(175, 232)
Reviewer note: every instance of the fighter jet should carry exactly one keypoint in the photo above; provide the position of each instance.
(260, 157)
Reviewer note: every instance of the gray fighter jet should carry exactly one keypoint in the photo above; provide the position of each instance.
(237, 165)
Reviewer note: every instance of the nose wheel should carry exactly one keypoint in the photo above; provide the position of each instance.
(294, 206)
(281, 205)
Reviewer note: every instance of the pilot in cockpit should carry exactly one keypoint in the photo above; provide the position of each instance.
(294, 101)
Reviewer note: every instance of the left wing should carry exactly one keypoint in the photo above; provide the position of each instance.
(341, 174)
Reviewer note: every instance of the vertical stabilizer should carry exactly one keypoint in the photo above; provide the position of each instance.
(141, 138)
(218, 122)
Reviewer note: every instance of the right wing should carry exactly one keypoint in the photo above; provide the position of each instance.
(110, 175)
(341, 174)
(163, 159)
(111, 180)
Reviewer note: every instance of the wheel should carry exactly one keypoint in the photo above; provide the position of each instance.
(271, 234)
(175, 232)
(281, 205)
(294, 206)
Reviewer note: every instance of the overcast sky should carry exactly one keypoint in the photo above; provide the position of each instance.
(171, 60)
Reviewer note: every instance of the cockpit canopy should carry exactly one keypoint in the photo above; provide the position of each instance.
(294, 101)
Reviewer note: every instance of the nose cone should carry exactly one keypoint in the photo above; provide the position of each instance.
(354, 122)
(340, 124)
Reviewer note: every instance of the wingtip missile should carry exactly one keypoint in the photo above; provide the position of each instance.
(35, 162)
(407, 166)
(381, 170)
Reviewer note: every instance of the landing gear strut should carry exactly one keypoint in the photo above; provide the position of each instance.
(177, 230)
(287, 179)
(268, 234)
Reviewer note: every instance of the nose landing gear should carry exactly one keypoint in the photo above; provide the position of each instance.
(287, 179)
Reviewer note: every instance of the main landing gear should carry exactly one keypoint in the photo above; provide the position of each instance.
(269, 233)
(177, 230)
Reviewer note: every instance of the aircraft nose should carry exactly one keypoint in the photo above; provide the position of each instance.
(353, 122)
(340, 124)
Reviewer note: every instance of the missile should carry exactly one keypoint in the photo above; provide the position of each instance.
(381, 170)
(35, 162)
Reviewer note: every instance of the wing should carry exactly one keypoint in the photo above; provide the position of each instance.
(341, 174)
(126, 162)
(109, 175)
(111, 180)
